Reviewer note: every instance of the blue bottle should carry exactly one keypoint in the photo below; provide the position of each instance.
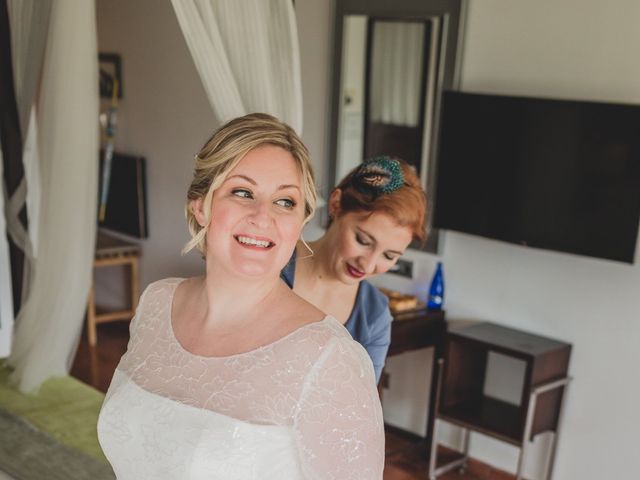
(436, 290)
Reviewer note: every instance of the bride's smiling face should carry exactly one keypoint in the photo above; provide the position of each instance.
(257, 214)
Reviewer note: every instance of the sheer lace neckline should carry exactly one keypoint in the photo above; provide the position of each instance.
(174, 339)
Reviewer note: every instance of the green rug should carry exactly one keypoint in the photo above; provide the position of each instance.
(61, 417)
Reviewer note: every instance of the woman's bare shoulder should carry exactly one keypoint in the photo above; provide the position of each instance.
(184, 293)
(304, 311)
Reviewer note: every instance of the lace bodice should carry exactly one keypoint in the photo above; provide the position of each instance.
(305, 406)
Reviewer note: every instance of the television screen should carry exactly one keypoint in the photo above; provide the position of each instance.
(126, 208)
(553, 174)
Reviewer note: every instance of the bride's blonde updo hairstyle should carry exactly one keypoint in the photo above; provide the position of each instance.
(225, 149)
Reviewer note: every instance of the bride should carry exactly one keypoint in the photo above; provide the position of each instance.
(231, 375)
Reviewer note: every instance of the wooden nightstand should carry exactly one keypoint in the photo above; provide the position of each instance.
(415, 330)
(462, 401)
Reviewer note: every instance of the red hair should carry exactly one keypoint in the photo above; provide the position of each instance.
(407, 205)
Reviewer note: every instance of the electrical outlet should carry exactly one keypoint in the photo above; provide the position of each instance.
(403, 268)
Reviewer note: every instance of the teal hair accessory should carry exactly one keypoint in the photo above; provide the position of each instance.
(378, 176)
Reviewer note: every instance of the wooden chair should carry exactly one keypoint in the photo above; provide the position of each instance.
(112, 251)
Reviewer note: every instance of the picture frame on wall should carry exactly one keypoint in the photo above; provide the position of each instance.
(110, 70)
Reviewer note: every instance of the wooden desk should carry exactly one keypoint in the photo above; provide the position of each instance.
(413, 331)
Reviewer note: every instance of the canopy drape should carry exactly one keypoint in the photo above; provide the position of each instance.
(396, 74)
(247, 55)
(50, 321)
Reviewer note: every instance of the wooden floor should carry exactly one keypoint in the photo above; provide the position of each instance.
(404, 459)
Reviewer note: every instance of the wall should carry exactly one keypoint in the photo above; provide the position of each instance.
(582, 49)
(563, 48)
(351, 117)
(314, 33)
(164, 115)
(569, 49)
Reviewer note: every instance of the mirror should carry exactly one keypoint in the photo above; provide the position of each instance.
(382, 90)
(391, 63)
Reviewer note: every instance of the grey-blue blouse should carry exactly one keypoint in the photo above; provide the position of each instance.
(370, 320)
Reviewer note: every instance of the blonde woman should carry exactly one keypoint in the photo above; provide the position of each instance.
(232, 375)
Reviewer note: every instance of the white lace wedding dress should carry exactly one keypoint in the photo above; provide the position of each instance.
(305, 406)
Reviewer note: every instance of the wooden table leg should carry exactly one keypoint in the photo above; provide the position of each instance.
(91, 317)
(94, 366)
(436, 372)
(135, 283)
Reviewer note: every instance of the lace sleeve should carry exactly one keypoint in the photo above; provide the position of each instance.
(339, 421)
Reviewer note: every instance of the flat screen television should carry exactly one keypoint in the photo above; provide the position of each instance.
(553, 174)
(126, 208)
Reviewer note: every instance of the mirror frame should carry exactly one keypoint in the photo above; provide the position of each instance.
(453, 14)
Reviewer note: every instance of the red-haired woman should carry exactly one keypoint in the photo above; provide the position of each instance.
(375, 212)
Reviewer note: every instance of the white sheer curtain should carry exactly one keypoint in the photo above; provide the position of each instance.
(29, 26)
(247, 55)
(6, 297)
(50, 321)
(29, 21)
(396, 73)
